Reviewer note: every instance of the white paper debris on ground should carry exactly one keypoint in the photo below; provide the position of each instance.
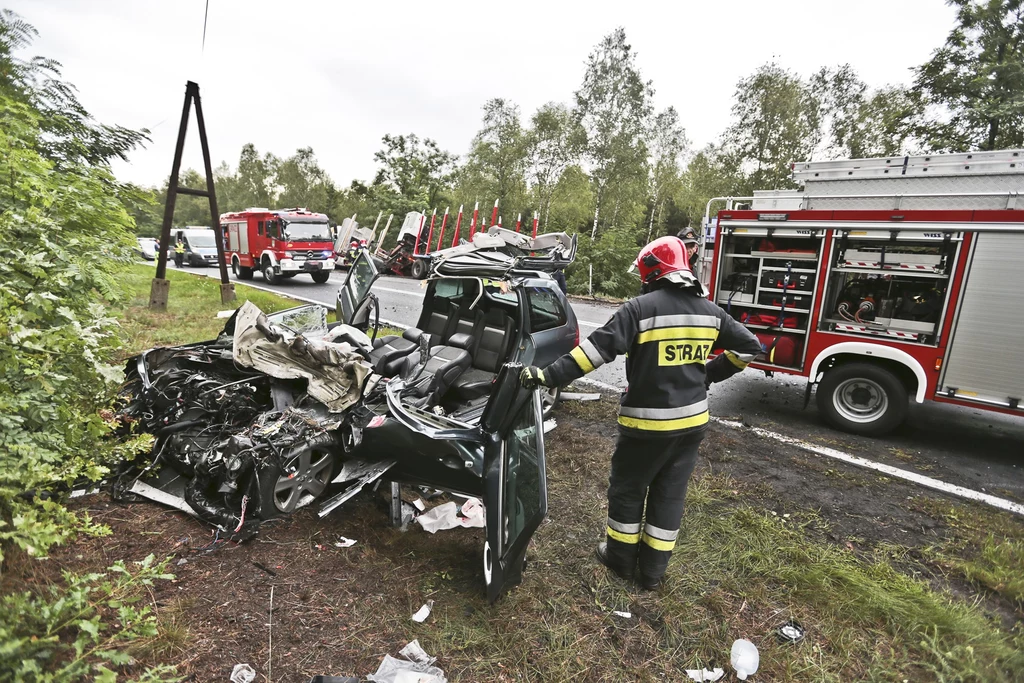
(549, 425)
(415, 653)
(446, 516)
(624, 615)
(78, 493)
(225, 314)
(345, 542)
(744, 658)
(423, 612)
(419, 504)
(416, 668)
(700, 675)
(243, 673)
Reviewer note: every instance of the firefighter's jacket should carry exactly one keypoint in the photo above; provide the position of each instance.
(667, 336)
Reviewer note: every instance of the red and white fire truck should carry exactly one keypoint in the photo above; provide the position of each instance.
(279, 244)
(884, 280)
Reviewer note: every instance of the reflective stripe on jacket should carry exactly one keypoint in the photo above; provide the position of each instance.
(667, 336)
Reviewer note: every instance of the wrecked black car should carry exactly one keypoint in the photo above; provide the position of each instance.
(284, 410)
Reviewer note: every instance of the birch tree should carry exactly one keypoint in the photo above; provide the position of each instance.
(613, 106)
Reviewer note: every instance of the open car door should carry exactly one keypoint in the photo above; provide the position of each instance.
(354, 295)
(515, 483)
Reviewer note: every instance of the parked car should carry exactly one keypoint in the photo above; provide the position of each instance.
(147, 248)
(279, 409)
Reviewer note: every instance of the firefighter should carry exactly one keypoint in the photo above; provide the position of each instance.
(689, 238)
(666, 333)
(179, 253)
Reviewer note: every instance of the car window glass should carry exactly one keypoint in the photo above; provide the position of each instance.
(361, 279)
(546, 310)
(461, 291)
(523, 476)
(309, 320)
(449, 290)
(500, 291)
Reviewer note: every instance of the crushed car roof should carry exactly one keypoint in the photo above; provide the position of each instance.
(500, 252)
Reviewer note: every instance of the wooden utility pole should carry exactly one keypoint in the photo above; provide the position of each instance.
(159, 290)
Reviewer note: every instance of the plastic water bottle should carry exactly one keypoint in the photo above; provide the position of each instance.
(744, 658)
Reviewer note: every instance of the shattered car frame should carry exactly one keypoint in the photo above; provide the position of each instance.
(285, 409)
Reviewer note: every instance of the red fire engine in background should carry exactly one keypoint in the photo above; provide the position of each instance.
(883, 280)
(280, 244)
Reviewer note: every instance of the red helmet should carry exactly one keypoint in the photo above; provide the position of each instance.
(662, 256)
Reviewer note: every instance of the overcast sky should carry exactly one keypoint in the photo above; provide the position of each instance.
(337, 76)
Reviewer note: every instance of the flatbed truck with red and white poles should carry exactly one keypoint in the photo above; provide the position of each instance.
(883, 281)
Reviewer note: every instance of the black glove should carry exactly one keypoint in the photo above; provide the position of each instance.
(532, 377)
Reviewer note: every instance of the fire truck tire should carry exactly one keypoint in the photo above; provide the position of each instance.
(418, 269)
(322, 277)
(269, 275)
(862, 398)
(240, 271)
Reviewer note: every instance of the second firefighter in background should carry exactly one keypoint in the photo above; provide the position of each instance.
(668, 334)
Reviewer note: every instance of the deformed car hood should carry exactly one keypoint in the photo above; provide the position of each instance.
(336, 372)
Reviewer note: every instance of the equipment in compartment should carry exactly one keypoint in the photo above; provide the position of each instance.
(739, 288)
(785, 279)
(767, 285)
(793, 301)
(906, 308)
(781, 349)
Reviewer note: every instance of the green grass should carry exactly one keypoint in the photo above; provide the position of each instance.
(192, 306)
(985, 549)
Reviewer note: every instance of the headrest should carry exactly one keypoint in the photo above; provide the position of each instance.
(413, 334)
(460, 340)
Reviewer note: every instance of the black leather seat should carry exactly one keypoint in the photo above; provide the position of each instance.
(444, 365)
(491, 345)
(389, 352)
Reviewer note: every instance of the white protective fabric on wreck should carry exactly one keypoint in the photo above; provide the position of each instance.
(334, 370)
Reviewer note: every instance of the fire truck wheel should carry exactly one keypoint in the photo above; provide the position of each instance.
(322, 277)
(418, 269)
(862, 398)
(240, 271)
(269, 275)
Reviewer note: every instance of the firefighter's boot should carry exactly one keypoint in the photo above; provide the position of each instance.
(623, 571)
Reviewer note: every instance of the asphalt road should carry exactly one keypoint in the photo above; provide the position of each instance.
(972, 448)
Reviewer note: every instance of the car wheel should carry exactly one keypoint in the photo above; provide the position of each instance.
(306, 475)
(862, 398)
(322, 277)
(549, 397)
(269, 275)
(244, 273)
(234, 267)
(418, 269)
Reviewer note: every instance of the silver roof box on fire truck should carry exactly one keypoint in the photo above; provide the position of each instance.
(972, 180)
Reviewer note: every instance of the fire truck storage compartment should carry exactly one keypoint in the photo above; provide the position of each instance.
(985, 358)
(767, 282)
(889, 283)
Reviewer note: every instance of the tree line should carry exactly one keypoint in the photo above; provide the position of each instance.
(606, 165)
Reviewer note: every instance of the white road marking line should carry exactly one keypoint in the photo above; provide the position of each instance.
(584, 322)
(914, 477)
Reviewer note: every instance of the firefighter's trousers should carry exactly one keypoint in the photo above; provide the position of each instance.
(654, 472)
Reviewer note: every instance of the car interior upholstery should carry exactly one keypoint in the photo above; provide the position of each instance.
(467, 347)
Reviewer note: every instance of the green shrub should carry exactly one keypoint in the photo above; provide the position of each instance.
(83, 630)
(64, 233)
